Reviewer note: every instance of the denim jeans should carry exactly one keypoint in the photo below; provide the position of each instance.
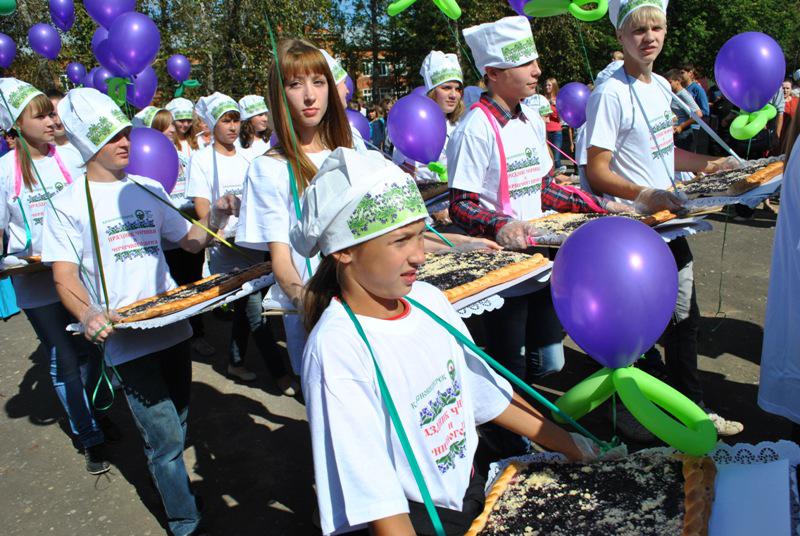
(73, 368)
(247, 319)
(556, 139)
(157, 388)
(530, 322)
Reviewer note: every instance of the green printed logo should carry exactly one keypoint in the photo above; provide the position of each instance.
(627, 9)
(21, 94)
(376, 212)
(445, 75)
(516, 52)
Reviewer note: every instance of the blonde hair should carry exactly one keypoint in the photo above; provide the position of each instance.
(642, 16)
(456, 114)
(162, 120)
(297, 56)
(554, 90)
(40, 104)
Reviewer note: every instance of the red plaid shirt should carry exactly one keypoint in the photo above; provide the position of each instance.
(467, 212)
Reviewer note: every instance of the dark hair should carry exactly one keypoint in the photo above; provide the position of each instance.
(790, 136)
(690, 68)
(54, 93)
(320, 290)
(248, 134)
(674, 74)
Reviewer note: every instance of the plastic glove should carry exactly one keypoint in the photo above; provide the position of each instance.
(10, 261)
(518, 235)
(617, 207)
(591, 452)
(98, 323)
(651, 200)
(224, 207)
(724, 164)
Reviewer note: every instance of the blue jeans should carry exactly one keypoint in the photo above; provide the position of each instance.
(526, 322)
(157, 388)
(556, 138)
(72, 369)
(247, 319)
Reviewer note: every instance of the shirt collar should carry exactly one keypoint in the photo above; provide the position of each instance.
(502, 115)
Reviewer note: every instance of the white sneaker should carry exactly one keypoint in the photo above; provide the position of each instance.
(725, 427)
(241, 373)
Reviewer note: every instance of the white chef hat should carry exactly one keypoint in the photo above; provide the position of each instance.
(145, 117)
(90, 119)
(17, 95)
(505, 43)
(353, 198)
(251, 106)
(619, 10)
(438, 68)
(214, 106)
(180, 108)
(338, 72)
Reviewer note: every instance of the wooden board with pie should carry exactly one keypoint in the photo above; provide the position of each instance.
(732, 183)
(644, 494)
(559, 226)
(33, 264)
(460, 274)
(186, 296)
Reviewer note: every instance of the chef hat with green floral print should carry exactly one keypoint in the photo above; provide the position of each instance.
(180, 108)
(17, 95)
(338, 72)
(214, 106)
(251, 106)
(90, 119)
(355, 197)
(145, 117)
(619, 10)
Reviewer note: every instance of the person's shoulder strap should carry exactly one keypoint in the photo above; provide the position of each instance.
(503, 194)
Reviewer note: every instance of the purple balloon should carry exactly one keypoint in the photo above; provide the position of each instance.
(143, 89)
(63, 13)
(571, 103)
(616, 305)
(417, 127)
(105, 12)
(106, 59)
(358, 122)
(154, 156)
(44, 40)
(134, 41)
(273, 140)
(518, 5)
(749, 70)
(3, 146)
(100, 79)
(8, 51)
(88, 80)
(419, 90)
(75, 72)
(178, 67)
(100, 35)
(351, 88)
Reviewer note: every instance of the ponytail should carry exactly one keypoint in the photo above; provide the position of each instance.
(320, 290)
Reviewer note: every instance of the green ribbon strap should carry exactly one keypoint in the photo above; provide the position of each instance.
(183, 85)
(398, 428)
(441, 237)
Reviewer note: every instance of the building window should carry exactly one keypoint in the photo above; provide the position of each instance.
(383, 68)
(366, 94)
(366, 67)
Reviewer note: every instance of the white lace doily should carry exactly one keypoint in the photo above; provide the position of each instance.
(740, 453)
(478, 308)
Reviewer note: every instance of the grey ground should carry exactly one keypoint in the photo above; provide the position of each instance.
(248, 450)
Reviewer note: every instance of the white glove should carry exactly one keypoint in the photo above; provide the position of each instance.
(728, 164)
(518, 235)
(224, 207)
(591, 452)
(651, 200)
(10, 261)
(615, 207)
(98, 323)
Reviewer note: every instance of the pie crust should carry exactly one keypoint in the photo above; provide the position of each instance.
(736, 183)
(699, 474)
(495, 277)
(560, 225)
(166, 302)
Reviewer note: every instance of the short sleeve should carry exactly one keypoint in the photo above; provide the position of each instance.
(264, 214)
(59, 236)
(355, 477)
(468, 158)
(688, 100)
(604, 120)
(198, 183)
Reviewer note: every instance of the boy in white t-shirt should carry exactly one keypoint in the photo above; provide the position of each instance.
(127, 217)
(365, 355)
(632, 156)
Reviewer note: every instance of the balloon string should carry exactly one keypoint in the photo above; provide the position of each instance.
(719, 312)
(585, 53)
(460, 46)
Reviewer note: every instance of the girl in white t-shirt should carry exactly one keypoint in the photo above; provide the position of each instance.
(270, 202)
(373, 346)
(182, 111)
(214, 171)
(29, 176)
(255, 132)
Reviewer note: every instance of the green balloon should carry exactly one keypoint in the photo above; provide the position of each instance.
(747, 125)
(588, 15)
(586, 396)
(7, 7)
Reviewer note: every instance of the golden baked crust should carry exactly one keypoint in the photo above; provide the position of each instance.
(730, 183)
(758, 178)
(699, 474)
(162, 309)
(496, 277)
(559, 226)
(34, 265)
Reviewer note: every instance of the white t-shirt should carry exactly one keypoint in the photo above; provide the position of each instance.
(540, 104)
(186, 149)
(441, 393)
(178, 193)
(615, 122)
(474, 161)
(422, 171)
(33, 290)
(130, 227)
(257, 148)
(268, 212)
(209, 181)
